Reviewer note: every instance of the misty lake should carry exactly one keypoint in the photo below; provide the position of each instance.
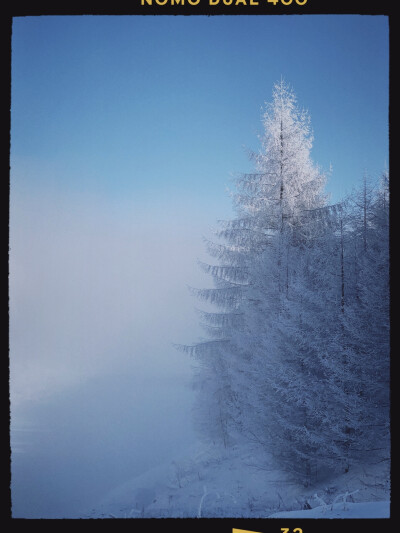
(71, 449)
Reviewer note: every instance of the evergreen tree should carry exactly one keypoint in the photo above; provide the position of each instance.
(358, 355)
(257, 264)
(297, 349)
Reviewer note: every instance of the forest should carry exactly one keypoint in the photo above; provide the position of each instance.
(296, 356)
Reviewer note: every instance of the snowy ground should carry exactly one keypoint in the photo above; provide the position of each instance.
(341, 510)
(210, 482)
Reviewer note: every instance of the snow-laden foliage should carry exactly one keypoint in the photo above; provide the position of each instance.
(297, 353)
(210, 481)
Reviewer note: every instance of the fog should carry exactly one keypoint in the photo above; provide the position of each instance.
(98, 296)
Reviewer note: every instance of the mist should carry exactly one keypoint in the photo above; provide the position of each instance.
(98, 296)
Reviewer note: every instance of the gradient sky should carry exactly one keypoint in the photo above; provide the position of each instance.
(156, 109)
(126, 132)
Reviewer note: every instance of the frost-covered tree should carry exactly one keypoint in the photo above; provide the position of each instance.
(298, 421)
(357, 356)
(339, 346)
(342, 339)
(256, 270)
(297, 349)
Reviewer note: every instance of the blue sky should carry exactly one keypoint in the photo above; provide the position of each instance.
(158, 109)
(125, 134)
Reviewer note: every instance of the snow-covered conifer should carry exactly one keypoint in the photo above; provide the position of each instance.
(297, 350)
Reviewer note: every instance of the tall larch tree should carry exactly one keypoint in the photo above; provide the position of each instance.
(258, 256)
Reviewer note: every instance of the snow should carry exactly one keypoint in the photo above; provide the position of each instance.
(213, 482)
(341, 510)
